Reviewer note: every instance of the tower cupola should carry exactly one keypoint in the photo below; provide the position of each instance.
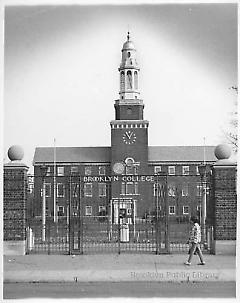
(129, 72)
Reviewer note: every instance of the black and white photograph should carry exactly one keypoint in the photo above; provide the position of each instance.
(120, 143)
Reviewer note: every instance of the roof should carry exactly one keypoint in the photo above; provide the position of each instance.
(103, 154)
(72, 154)
(181, 153)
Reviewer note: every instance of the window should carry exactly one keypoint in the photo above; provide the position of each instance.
(129, 79)
(155, 186)
(157, 169)
(136, 169)
(171, 210)
(87, 170)
(31, 187)
(171, 190)
(102, 170)
(88, 210)
(88, 189)
(102, 209)
(129, 188)
(122, 81)
(199, 190)
(60, 171)
(185, 170)
(171, 170)
(60, 190)
(197, 170)
(185, 190)
(75, 189)
(185, 210)
(136, 188)
(158, 189)
(48, 171)
(48, 189)
(102, 189)
(74, 169)
(60, 211)
(136, 80)
(123, 189)
(130, 170)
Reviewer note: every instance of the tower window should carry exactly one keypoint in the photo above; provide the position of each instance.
(122, 86)
(129, 54)
(136, 80)
(129, 80)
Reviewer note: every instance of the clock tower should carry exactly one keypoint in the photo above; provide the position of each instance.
(129, 130)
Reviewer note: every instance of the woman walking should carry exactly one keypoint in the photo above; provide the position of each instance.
(194, 241)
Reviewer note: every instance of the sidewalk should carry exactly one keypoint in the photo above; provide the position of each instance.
(113, 268)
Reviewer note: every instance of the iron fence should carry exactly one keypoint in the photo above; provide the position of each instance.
(163, 228)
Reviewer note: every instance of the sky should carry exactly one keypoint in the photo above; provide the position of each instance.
(61, 72)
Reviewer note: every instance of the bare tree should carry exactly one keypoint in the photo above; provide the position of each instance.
(232, 133)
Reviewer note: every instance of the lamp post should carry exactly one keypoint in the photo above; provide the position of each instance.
(202, 168)
(43, 170)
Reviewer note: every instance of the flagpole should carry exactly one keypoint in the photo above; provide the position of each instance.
(54, 182)
(204, 151)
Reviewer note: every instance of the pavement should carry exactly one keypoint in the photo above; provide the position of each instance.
(117, 268)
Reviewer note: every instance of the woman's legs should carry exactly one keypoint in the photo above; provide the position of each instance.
(192, 250)
(199, 252)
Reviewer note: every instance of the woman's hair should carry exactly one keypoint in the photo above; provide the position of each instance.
(194, 219)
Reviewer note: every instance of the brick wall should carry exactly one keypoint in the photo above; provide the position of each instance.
(14, 203)
(225, 202)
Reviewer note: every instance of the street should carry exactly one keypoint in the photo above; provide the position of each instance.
(119, 289)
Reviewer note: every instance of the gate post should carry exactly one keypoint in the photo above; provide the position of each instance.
(225, 200)
(14, 203)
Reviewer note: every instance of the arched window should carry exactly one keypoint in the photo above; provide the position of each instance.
(135, 80)
(122, 81)
(129, 79)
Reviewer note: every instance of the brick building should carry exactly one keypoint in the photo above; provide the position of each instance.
(92, 169)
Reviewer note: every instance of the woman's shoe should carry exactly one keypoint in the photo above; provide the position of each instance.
(202, 263)
(187, 263)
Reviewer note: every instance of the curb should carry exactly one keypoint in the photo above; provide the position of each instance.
(171, 275)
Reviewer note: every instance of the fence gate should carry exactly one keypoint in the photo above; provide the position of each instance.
(117, 228)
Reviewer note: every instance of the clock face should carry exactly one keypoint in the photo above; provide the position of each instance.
(129, 137)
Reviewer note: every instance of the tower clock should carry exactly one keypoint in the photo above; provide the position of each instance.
(129, 130)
